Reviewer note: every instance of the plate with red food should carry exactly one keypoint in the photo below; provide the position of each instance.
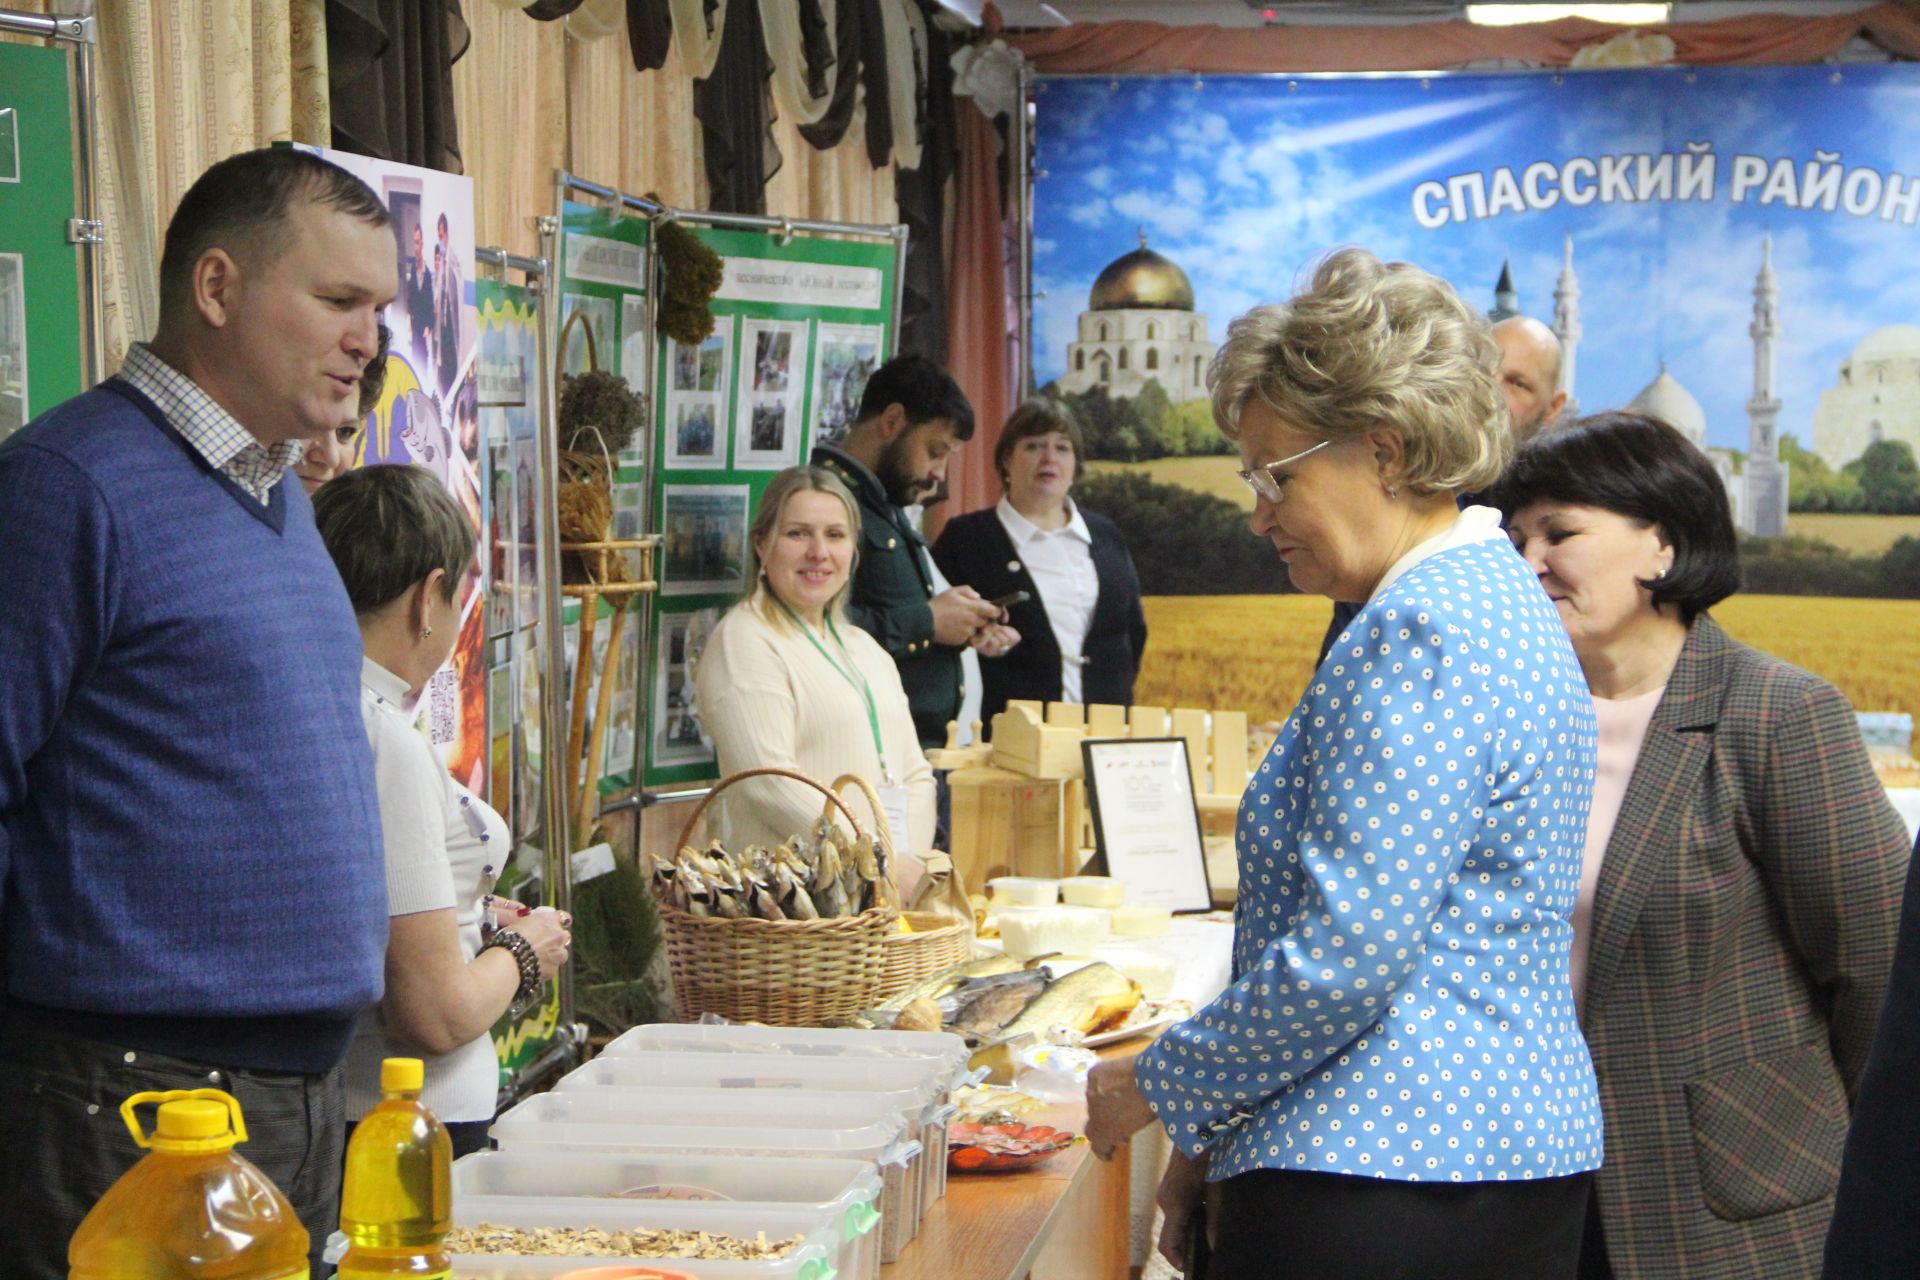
(1002, 1148)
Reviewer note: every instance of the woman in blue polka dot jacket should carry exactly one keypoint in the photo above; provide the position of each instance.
(1395, 1083)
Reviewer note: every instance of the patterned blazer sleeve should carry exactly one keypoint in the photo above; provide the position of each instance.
(1835, 853)
(1385, 821)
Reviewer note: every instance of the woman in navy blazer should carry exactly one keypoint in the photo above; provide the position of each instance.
(1082, 627)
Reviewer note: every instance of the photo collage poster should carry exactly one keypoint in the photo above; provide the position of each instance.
(40, 310)
(429, 415)
(798, 329)
(509, 390)
(605, 268)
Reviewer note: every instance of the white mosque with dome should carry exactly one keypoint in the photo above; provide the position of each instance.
(1877, 397)
(1140, 326)
(1757, 484)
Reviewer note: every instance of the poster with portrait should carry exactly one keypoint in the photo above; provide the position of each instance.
(697, 400)
(429, 412)
(705, 539)
(678, 737)
(767, 417)
(845, 356)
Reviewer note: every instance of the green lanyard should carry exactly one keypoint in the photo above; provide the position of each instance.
(860, 686)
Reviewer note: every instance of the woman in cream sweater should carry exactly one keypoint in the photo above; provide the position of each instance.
(786, 681)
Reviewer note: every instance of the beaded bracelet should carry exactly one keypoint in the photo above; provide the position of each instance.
(515, 943)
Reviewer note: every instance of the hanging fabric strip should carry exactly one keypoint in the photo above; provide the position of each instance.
(649, 33)
(874, 77)
(735, 110)
(596, 19)
(697, 28)
(799, 35)
(906, 36)
(832, 126)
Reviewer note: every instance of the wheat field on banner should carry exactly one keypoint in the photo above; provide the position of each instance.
(1255, 653)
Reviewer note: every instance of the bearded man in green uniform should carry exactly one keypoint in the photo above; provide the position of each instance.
(912, 419)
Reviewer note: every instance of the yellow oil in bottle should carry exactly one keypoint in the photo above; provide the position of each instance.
(191, 1209)
(396, 1203)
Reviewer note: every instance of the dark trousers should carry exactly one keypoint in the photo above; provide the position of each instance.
(1277, 1225)
(66, 1143)
(1594, 1263)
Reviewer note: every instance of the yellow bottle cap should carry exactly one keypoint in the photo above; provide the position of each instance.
(402, 1075)
(189, 1121)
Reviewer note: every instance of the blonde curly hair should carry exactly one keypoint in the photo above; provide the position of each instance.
(1373, 344)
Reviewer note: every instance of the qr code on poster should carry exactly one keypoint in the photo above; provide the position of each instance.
(443, 700)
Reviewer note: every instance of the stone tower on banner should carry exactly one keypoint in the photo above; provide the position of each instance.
(1766, 479)
(1566, 327)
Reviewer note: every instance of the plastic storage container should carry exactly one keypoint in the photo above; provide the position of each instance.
(918, 1087)
(813, 1260)
(807, 1042)
(846, 1190)
(596, 1122)
(1023, 891)
(190, 1207)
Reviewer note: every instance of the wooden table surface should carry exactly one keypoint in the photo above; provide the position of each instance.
(1065, 1219)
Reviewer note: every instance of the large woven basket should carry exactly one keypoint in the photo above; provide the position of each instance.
(790, 973)
(936, 943)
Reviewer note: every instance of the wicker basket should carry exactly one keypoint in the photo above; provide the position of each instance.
(790, 973)
(936, 943)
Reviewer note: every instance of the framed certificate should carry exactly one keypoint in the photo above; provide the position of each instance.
(1145, 823)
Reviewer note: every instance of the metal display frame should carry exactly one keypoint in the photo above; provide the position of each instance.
(568, 185)
(84, 230)
(555, 834)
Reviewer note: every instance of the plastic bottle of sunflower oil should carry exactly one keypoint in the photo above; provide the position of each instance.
(191, 1209)
(396, 1204)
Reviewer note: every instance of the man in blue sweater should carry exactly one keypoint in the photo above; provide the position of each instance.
(191, 875)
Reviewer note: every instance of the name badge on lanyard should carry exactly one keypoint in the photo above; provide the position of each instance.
(893, 799)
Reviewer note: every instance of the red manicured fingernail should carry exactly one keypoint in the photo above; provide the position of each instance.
(526, 911)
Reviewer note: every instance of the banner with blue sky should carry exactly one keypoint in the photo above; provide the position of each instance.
(1665, 182)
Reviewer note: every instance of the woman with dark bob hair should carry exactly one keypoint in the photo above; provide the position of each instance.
(1082, 626)
(1740, 890)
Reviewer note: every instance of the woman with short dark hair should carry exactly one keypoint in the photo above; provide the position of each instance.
(1082, 626)
(404, 549)
(1740, 888)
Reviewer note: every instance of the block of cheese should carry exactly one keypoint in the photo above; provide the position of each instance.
(1092, 891)
(1023, 891)
(1037, 931)
(1141, 922)
(1146, 965)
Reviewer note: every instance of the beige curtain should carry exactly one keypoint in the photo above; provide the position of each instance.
(184, 83)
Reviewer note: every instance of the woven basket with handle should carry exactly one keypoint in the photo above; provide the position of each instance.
(936, 943)
(790, 973)
(576, 466)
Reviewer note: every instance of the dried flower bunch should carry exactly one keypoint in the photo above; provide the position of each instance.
(602, 402)
(690, 275)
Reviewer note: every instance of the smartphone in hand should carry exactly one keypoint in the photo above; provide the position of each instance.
(1010, 599)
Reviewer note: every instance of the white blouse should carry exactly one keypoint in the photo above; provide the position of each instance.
(440, 841)
(1061, 563)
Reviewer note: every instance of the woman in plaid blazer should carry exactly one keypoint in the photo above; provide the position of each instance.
(1742, 879)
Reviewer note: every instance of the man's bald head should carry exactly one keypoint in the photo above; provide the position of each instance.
(1529, 374)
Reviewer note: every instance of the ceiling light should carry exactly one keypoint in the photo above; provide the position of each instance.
(1512, 15)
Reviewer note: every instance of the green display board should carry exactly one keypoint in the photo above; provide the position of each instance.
(604, 271)
(40, 363)
(799, 327)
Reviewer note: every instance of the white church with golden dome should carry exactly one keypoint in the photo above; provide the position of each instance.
(1877, 397)
(1140, 325)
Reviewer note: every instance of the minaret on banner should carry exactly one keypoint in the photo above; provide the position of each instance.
(1506, 299)
(1566, 327)
(1766, 479)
